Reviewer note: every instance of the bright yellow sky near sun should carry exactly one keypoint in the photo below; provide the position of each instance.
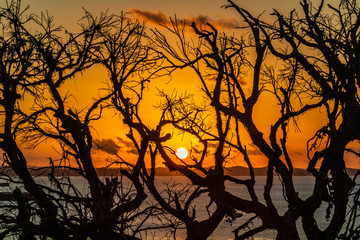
(67, 12)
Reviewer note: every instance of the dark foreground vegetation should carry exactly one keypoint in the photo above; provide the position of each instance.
(318, 46)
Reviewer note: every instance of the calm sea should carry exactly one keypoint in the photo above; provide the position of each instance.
(303, 185)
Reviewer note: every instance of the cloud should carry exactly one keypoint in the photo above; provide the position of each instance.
(159, 17)
(125, 142)
(296, 153)
(221, 23)
(213, 145)
(107, 145)
(196, 150)
(242, 81)
(254, 152)
(132, 151)
(153, 17)
(127, 146)
(113, 147)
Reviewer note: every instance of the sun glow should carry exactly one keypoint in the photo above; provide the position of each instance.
(181, 153)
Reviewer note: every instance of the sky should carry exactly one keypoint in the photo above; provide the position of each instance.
(68, 12)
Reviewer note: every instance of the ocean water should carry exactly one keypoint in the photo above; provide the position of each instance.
(303, 185)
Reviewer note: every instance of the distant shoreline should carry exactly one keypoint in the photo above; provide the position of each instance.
(162, 171)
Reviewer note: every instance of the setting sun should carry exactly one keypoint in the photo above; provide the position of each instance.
(181, 153)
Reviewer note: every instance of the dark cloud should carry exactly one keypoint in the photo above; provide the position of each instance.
(242, 81)
(107, 145)
(125, 142)
(196, 150)
(221, 23)
(159, 17)
(112, 147)
(298, 153)
(153, 17)
(254, 152)
(127, 146)
(212, 145)
(132, 151)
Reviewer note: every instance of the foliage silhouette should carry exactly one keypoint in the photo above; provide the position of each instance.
(319, 51)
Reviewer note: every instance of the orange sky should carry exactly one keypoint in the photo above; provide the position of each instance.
(110, 131)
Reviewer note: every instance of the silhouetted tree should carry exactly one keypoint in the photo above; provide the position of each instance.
(320, 58)
(219, 61)
(35, 65)
(319, 50)
(127, 96)
(324, 42)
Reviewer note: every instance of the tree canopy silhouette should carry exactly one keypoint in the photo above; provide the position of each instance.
(318, 47)
(35, 65)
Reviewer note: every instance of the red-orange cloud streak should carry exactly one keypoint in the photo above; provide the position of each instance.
(160, 18)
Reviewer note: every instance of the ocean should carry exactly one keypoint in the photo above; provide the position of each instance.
(303, 185)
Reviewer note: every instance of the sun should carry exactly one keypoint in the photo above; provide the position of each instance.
(181, 153)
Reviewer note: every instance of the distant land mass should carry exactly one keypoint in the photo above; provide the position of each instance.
(162, 171)
(232, 171)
